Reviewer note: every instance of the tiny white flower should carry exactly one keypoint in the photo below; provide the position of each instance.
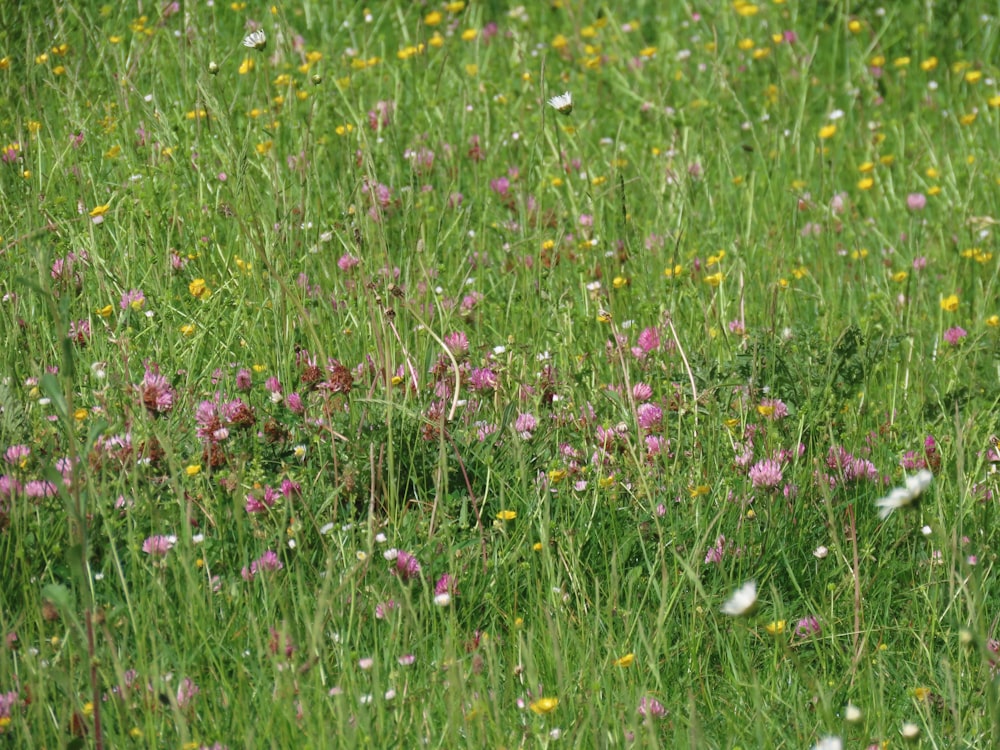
(910, 731)
(829, 743)
(326, 529)
(901, 497)
(743, 600)
(562, 103)
(852, 714)
(443, 599)
(820, 552)
(255, 40)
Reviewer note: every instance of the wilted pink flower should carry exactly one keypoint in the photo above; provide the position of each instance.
(155, 391)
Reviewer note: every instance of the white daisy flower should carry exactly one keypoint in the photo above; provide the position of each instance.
(906, 495)
(255, 40)
(829, 743)
(743, 600)
(563, 103)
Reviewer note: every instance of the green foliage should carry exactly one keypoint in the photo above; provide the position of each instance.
(348, 390)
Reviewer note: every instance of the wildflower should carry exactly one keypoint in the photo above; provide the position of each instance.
(544, 705)
(828, 743)
(852, 714)
(158, 545)
(625, 661)
(446, 584)
(407, 566)
(525, 425)
(562, 103)
(650, 707)
(134, 298)
(949, 303)
(916, 201)
(910, 731)
(775, 627)
(265, 563)
(742, 602)
(807, 626)
(156, 393)
(507, 515)
(766, 474)
(955, 335)
(256, 40)
(906, 495)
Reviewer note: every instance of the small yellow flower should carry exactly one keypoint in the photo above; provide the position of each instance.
(973, 76)
(537, 546)
(865, 183)
(507, 515)
(606, 482)
(80, 414)
(113, 152)
(967, 119)
(544, 705)
(921, 693)
(433, 18)
(677, 270)
(866, 166)
(949, 303)
(900, 276)
(199, 289)
(557, 475)
(929, 64)
(192, 470)
(603, 316)
(827, 131)
(714, 279)
(187, 329)
(775, 627)
(993, 321)
(469, 35)
(625, 661)
(246, 66)
(854, 26)
(696, 490)
(100, 210)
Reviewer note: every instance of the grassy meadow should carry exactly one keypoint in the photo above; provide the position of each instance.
(352, 394)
